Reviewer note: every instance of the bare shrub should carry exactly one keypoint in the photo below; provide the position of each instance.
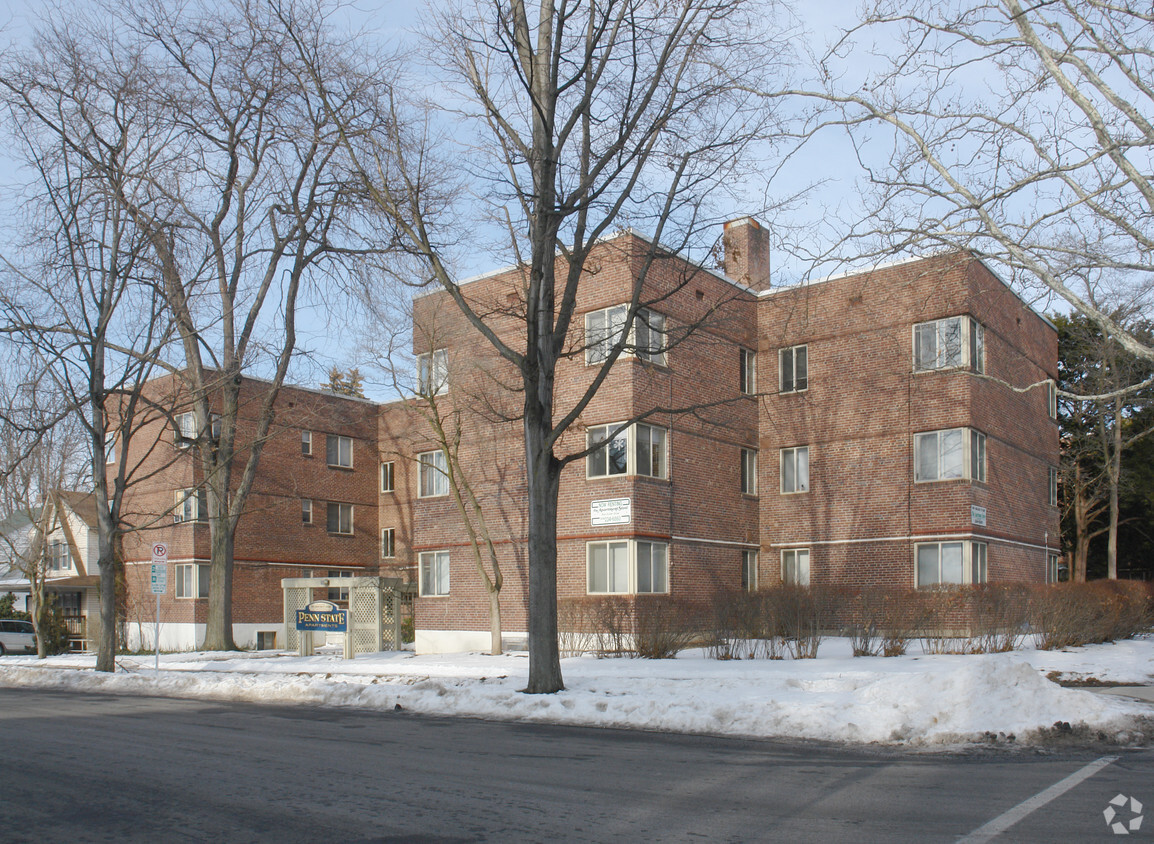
(943, 623)
(736, 616)
(576, 628)
(664, 626)
(902, 618)
(998, 615)
(866, 611)
(801, 614)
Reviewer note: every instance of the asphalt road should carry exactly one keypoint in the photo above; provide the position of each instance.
(85, 767)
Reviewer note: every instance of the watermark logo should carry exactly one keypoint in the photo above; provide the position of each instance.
(1121, 820)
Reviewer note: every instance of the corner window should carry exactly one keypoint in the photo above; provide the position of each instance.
(190, 505)
(627, 566)
(387, 477)
(433, 372)
(1052, 485)
(950, 343)
(192, 580)
(388, 543)
(951, 563)
(339, 451)
(636, 450)
(340, 518)
(748, 471)
(433, 573)
(307, 443)
(795, 566)
(749, 570)
(795, 469)
(434, 474)
(306, 511)
(1052, 399)
(794, 369)
(950, 455)
(605, 329)
(747, 371)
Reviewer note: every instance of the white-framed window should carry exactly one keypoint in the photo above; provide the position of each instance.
(339, 451)
(795, 566)
(339, 518)
(1052, 399)
(433, 573)
(1052, 485)
(1056, 569)
(433, 372)
(795, 469)
(307, 443)
(433, 474)
(949, 455)
(749, 570)
(338, 593)
(59, 555)
(952, 563)
(949, 343)
(636, 450)
(191, 580)
(110, 441)
(626, 567)
(388, 477)
(793, 366)
(747, 371)
(605, 328)
(388, 543)
(184, 429)
(306, 511)
(748, 471)
(190, 505)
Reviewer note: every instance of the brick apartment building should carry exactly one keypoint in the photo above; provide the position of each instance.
(890, 427)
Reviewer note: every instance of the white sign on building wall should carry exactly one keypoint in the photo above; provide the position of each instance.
(977, 515)
(611, 511)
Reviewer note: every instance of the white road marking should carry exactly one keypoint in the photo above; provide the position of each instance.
(1007, 819)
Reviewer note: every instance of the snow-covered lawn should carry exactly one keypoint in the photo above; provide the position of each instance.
(916, 699)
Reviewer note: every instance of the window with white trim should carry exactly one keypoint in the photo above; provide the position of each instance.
(339, 518)
(338, 594)
(433, 474)
(793, 369)
(1052, 485)
(954, 454)
(59, 555)
(184, 433)
(388, 543)
(747, 371)
(307, 443)
(189, 505)
(191, 580)
(110, 441)
(1056, 569)
(749, 570)
(627, 567)
(795, 469)
(388, 477)
(306, 511)
(339, 451)
(605, 328)
(636, 450)
(433, 372)
(748, 471)
(950, 343)
(1052, 399)
(952, 563)
(433, 573)
(795, 566)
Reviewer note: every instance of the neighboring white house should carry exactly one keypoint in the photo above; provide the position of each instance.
(16, 534)
(70, 553)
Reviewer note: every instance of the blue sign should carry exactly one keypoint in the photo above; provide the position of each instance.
(323, 615)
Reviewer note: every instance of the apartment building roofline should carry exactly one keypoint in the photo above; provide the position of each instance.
(256, 379)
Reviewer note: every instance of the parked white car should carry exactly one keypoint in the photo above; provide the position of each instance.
(17, 637)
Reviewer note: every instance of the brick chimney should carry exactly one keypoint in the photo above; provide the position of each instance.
(746, 243)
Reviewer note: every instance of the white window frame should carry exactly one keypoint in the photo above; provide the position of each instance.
(190, 505)
(306, 511)
(971, 350)
(342, 443)
(186, 574)
(1052, 399)
(749, 570)
(604, 329)
(793, 456)
(338, 593)
(342, 522)
(110, 443)
(1054, 568)
(1052, 484)
(433, 372)
(972, 461)
(642, 452)
(388, 543)
(796, 383)
(633, 581)
(59, 555)
(307, 443)
(795, 566)
(432, 474)
(433, 574)
(388, 477)
(184, 429)
(972, 562)
(747, 371)
(749, 471)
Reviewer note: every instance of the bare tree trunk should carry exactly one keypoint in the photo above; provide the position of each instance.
(1115, 483)
(495, 622)
(544, 477)
(218, 627)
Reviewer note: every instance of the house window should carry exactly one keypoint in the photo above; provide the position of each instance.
(948, 343)
(636, 450)
(59, 555)
(306, 511)
(1056, 569)
(604, 329)
(747, 371)
(627, 567)
(950, 455)
(190, 505)
(433, 372)
(795, 469)
(387, 470)
(794, 369)
(1052, 485)
(184, 433)
(748, 471)
(339, 451)
(749, 570)
(950, 563)
(110, 449)
(307, 443)
(434, 474)
(340, 518)
(434, 573)
(338, 593)
(795, 566)
(192, 580)
(1052, 399)
(388, 543)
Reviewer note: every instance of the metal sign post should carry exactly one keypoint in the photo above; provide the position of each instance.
(159, 587)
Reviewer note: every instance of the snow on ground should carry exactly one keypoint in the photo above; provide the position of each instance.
(916, 699)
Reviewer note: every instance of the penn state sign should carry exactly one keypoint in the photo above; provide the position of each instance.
(323, 615)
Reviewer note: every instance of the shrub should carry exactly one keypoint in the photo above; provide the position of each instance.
(8, 608)
(866, 621)
(999, 613)
(1073, 614)
(664, 626)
